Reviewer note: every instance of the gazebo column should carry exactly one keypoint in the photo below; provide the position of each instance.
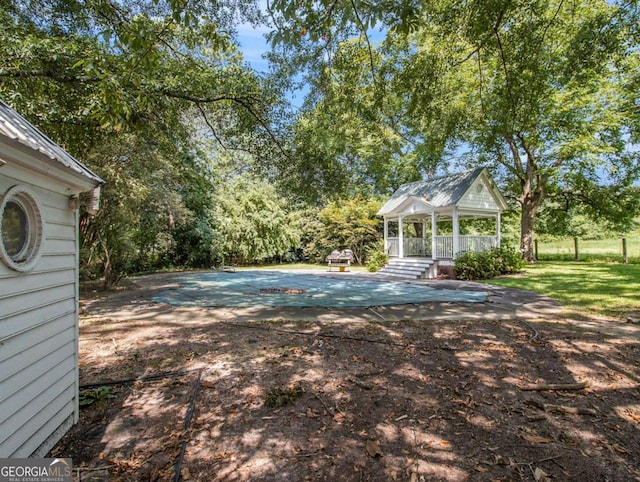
(498, 229)
(434, 233)
(386, 235)
(424, 237)
(400, 238)
(456, 232)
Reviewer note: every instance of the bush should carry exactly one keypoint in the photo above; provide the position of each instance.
(488, 264)
(376, 260)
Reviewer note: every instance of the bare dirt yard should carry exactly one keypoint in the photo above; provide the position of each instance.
(446, 392)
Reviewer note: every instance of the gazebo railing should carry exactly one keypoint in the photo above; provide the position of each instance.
(411, 247)
(477, 243)
(444, 247)
(443, 244)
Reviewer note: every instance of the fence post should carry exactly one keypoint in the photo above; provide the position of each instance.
(575, 247)
(625, 258)
(535, 248)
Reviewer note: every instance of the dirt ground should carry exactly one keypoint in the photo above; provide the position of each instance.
(486, 392)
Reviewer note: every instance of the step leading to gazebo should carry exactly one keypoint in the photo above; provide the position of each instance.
(409, 268)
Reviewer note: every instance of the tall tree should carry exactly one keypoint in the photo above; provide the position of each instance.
(117, 83)
(539, 89)
(254, 221)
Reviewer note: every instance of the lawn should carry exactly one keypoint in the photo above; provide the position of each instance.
(609, 289)
(590, 249)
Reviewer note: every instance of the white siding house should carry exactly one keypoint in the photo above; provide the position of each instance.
(39, 188)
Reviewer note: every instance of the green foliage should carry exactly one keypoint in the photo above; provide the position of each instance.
(344, 224)
(120, 85)
(488, 264)
(544, 92)
(155, 210)
(98, 396)
(254, 222)
(376, 258)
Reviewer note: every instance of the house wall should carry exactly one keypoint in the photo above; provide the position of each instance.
(39, 328)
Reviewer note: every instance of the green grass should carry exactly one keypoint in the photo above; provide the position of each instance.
(609, 289)
(603, 249)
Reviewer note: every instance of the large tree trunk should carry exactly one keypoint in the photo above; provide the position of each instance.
(527, 220)
(532, 190)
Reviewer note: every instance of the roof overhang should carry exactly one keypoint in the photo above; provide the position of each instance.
(22, 157)
(406, 206)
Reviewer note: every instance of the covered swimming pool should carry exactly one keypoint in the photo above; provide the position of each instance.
(284, 289)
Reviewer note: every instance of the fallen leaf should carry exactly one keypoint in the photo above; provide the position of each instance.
(536, 439)
(480, 468)
(373, 448)
(619, 448)
(311, 414)
(540, 475)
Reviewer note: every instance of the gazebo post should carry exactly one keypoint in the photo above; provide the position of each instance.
(400, 238)
(434, 232)
(386, 235)
(456, 232)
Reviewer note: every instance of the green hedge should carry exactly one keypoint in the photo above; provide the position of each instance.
(488, 264)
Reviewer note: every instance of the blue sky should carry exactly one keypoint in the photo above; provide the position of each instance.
(253, 45)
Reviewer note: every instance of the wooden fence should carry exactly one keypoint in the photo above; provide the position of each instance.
(622, 248)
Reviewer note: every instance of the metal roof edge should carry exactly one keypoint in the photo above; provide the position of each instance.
(28, 138)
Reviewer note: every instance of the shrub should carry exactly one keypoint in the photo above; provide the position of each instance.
(488, 264)
(376, 261)
(376, 257)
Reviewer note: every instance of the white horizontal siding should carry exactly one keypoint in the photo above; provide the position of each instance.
(478, 200)
(28, 301)
(29, 365)
(33, 392)
(60, 231)
(14, 345)
(34, 316)
(37, 429)
(38, 328)
(26, 283)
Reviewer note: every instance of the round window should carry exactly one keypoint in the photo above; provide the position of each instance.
(20, 229)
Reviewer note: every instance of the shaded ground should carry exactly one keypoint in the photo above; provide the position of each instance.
(419, 392)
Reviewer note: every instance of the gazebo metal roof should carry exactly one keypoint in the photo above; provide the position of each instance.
(440, 192)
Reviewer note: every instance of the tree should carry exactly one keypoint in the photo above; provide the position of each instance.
(253, 221)
(539, 89)
(344, 224)
(117, 84)
(349, 141)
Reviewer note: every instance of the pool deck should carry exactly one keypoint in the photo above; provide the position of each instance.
(135, 303)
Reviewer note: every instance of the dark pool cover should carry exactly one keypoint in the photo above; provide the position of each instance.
(275, 288)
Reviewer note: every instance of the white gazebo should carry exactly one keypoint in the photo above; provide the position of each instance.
(412, 215)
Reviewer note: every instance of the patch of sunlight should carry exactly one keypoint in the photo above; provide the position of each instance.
(629, 413)
(435, 470)
(253, 438)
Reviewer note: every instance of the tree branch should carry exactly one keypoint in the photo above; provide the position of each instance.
(503, 58)
(67, 79)
(366, 37)
(213, 130)
(243, 101)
